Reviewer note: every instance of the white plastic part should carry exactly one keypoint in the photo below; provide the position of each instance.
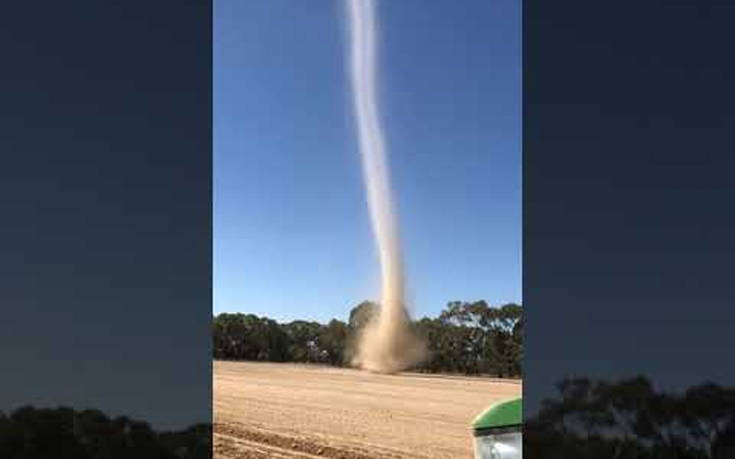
(500, 446)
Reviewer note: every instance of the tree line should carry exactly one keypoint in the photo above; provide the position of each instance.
(632, 419)
(467, 337)
(45, 433)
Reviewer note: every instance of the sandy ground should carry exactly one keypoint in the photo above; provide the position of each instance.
(264, 410)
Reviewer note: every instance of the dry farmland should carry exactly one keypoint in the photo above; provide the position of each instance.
(267, 410)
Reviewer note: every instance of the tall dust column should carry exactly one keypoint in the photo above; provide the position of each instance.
(387, 344)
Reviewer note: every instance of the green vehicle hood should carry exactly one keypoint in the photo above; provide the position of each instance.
(502, 415)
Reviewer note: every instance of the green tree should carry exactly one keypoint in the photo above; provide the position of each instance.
(333, 340)
(361, 314)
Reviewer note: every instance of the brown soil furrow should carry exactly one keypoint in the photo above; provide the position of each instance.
(234, 447)
(295, 446)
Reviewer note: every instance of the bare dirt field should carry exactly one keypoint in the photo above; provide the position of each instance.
(265, 410)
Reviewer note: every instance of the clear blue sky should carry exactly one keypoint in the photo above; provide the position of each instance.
(292, 235)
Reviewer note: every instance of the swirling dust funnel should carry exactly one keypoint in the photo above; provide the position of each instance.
(387, 343)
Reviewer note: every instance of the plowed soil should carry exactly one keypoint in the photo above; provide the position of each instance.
(264, 410)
